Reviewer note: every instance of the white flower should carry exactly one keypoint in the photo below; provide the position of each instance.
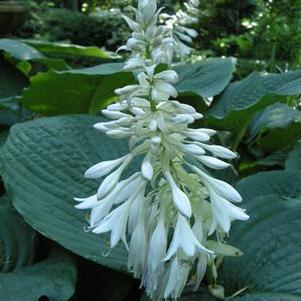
(222, 188)
(103, 168)
(115, 222)
(219, 151)
(112, 179)
(147, 167)
(212, 162)
(223, 213)
(168, 195)
(177, 279)
(158, 245)
(137, 250)
(179, 197)
(200, 270)
(185, 239)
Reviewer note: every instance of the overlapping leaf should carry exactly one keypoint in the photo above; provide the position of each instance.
(205, 79)
(12, 81)
(17, 239)
(44, 162)
(63, 48)
(53, 279)
(270, 268)
(293, 161)
(274, 122)
(286, 184)
(241, 100)
(271, 242)
(23, 52)
(78, 91)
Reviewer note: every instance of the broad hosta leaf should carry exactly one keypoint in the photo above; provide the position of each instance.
(270, 240)
(293, 161)
(19, 50)
(279, 138)
(9, 117)
(17, 239)
(278, 115)
(242, 99)
(44, 162)
(286, 184)
(12, 81)
(276, 158)
(23, 52)
(77, 91)
(275, 121)
(53, 279)
(52, 47)
(205, 79)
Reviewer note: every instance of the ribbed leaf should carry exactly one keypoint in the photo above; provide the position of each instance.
(53, 47)
(17, 239)
(22, 52)
(286, 184)
(293, 161)
(19, 50)
(77, 91)
(44, 162)
(53, 278)
(275, 121)
(205, 79)
(270, 240)
(241, 100)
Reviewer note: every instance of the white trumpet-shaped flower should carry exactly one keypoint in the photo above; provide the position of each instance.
(165, 210)
(180, 199)
(223, 213)
(115, 222)
(158, 245)
(178, 275)
(184, 239)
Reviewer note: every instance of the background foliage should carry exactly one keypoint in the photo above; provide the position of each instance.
(51, 92)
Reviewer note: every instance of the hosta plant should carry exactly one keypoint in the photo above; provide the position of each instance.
(165, 212)
(176, 149)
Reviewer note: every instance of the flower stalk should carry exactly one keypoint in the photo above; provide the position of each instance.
(164, 212)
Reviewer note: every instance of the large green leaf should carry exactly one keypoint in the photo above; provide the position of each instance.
(12, 81)
(278, 115)
(53, 278)
(275, 121)
(22, 52)
(44, 162)
(276, 158)
(270, 240)
(205, 79)
(19, 50)
(63, 48)
(77, 91)
(241, 100)
(17, 239)
(293, 161)
(286, 184)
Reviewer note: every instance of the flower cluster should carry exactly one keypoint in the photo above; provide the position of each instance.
(164, 212)
(180, 23)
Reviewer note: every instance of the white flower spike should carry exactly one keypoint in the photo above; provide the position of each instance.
(165, 211)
